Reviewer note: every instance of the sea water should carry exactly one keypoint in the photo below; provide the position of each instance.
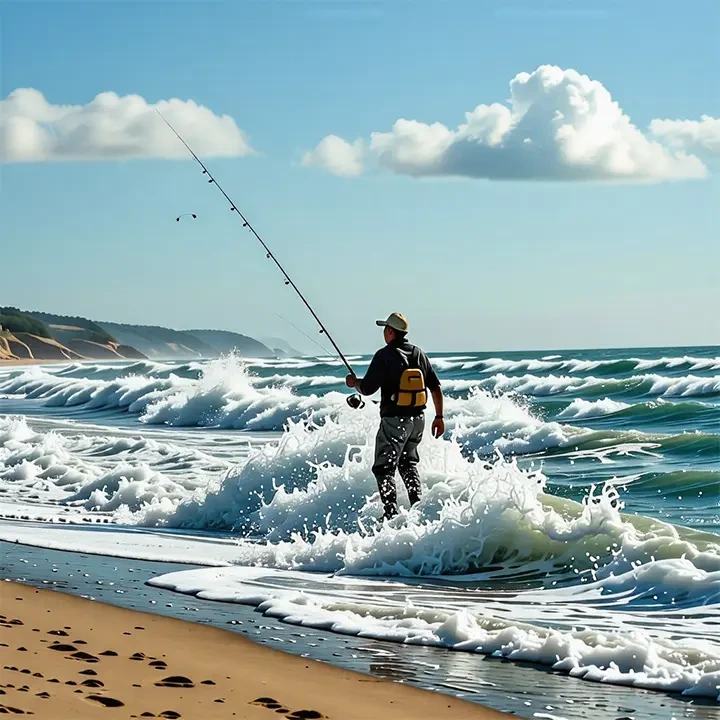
(570, 516)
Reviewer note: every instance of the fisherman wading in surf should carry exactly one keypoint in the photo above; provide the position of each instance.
(400, 369)
(404, 374)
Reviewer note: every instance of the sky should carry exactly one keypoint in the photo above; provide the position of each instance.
(509, 175)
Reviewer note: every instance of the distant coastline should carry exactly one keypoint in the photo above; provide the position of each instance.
(29, 336)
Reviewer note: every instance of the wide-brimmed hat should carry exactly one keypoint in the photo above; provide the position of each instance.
(397, 321)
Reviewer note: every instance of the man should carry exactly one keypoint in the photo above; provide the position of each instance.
(394, 371)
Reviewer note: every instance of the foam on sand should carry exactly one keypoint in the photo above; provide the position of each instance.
(492, 625)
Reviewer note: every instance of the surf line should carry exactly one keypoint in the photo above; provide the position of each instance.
(354, 401)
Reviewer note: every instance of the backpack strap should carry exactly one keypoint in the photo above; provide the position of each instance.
(413, 361)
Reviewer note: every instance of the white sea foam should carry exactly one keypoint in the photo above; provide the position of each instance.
(109, 474)
(498, 626)
(580, 408)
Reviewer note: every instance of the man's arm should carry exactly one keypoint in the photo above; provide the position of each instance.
(371, 382)
(437, 397)
(433, 384)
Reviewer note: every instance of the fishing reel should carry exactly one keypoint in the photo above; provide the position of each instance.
(355, 402)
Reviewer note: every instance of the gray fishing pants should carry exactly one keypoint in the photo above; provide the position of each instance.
(396, 448)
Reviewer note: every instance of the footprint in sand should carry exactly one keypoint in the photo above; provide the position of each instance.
(80, 655)
(272, 704)
(57, 632)
(171, 714)
(109, 653)
(176, 681)
(93, 683)
(268, 702)
(105, 701)
(137, 656)
(16, 711)
(159, 664)
(89, 671)
(62, 648)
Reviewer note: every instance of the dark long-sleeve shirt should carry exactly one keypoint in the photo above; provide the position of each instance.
(384, 373)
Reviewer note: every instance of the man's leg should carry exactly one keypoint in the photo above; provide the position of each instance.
(409, 458)
(389, 443)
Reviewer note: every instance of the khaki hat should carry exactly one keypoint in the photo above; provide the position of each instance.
(397, 321)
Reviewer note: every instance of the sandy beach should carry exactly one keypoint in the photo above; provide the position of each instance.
(10, 362)
(67, 657)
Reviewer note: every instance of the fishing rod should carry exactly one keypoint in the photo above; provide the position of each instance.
(269, 254)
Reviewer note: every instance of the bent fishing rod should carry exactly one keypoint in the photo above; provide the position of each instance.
(269, 254)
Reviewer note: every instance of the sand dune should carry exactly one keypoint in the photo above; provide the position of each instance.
(25, 347)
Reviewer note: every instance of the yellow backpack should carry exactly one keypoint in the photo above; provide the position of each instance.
(411, 390)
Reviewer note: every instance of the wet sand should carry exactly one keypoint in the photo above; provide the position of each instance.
(69, 657)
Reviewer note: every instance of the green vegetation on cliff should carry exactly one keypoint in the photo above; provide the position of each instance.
(81, 327)
(17, 321)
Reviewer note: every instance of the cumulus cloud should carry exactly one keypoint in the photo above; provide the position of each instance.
(697, 136)
(337, 155)
(111, 127)
(557, 125)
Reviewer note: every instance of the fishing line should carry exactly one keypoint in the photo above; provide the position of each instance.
(269, 254)
(300, 330)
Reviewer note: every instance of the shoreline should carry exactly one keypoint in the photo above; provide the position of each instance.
(113, 657)
(524, 690)
(14, 362)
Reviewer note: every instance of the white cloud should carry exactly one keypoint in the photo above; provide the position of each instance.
(337, 156)
(111, 127)
(558, 125)
(697, 136)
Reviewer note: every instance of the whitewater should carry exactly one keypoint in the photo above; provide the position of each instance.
(570, 517)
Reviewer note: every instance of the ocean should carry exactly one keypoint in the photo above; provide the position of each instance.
(570, 517)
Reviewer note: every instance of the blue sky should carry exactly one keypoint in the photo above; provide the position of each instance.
(475, 264)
